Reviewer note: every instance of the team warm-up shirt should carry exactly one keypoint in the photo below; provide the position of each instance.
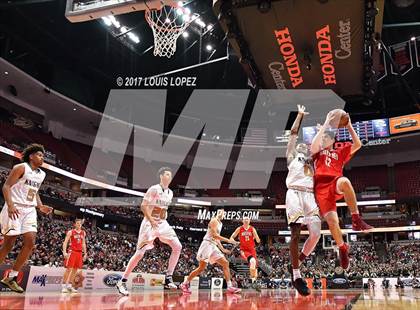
(246, 238)
(330, 162)
(158, 200)
(76, 240)
(25, 190)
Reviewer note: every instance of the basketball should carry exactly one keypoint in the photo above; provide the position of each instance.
(339, 119)
(344, 120)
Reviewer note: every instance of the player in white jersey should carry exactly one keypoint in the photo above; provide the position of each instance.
(154, 225)
(212, 251)
(18, 216)
(301, 207)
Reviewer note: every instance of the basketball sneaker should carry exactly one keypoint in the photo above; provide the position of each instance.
(12, 284)
(360, 225)
(300, 285)
(71, 289)
(344, 256)
(233, 290)
(169, 283)
(256, 286)
(64, 290)
(185, 287)
(122, 288)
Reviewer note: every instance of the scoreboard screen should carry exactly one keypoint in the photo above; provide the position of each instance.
(366, 130)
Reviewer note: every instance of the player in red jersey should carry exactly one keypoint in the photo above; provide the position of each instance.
(247, 235)
(73, 260)
(331, 185)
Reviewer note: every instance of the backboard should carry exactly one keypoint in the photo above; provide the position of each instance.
(85, 10)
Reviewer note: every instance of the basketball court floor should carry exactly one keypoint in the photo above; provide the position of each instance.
(205, 299)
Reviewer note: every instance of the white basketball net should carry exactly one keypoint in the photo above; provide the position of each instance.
(167, 25)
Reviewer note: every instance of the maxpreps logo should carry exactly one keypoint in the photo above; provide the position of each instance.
(43, 280)
(111, 280)
(229, 215)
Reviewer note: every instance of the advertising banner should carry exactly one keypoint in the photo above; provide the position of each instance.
(303, 44)
(205, 283)
(50, 279)
(392, 282)
(45, 279)
(216, 283)
(404, 123)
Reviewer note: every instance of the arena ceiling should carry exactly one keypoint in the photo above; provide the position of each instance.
(83, 60)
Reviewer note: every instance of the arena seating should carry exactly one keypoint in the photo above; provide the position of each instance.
(407, 179)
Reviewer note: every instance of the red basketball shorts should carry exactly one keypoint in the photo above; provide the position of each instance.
(326, 193)
(75, 260)
(246, 254)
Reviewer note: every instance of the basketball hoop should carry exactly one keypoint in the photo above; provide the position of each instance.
(168, 23)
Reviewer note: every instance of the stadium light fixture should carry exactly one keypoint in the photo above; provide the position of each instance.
(106, 21)
(114, 21)
(199, 22)
(133, 37)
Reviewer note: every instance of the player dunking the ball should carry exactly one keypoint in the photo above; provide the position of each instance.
(212, 251)
(301, 208)
(154, 225)
(73, 260)
(247, 235)
(18, 216)
(331, 185)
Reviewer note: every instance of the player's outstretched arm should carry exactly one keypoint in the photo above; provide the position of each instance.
(145, 210)
(84, 249)
(213, 230)
(316, 142)
(294, 131)
(222, 248)
(144, 207)
(65, 243)
(357, 144)
(43, 208)
(235, 234)
(15, 174)
(256, 237)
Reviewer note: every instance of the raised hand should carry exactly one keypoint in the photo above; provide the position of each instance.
(301, 109)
